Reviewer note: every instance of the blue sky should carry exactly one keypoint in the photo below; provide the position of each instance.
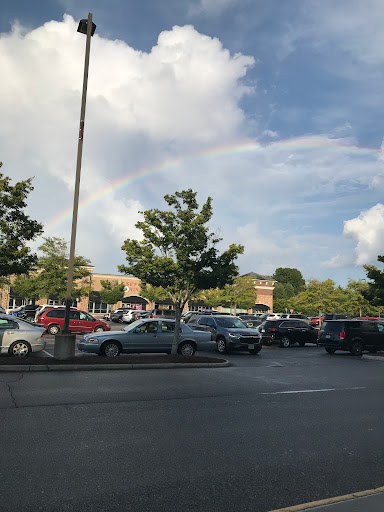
(294, 88)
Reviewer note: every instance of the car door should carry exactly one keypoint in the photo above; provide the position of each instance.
(371, 334)
(165, 338)
(290, 328)
(145, 337)
(305, 332)
(74, 321)
(7, 333)
(86, 322)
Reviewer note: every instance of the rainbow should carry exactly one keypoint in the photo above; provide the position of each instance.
(311, 143)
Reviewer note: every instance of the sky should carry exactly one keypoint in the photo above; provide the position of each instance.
(274, 109)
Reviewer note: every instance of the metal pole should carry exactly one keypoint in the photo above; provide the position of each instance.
(68, 300)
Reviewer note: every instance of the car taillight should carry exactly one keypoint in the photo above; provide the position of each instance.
(153, 316)
(342, 335)
(272, 329)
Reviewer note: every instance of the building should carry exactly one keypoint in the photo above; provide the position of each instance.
(132, 298)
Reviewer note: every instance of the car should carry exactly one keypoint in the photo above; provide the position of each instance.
(43, 307)
(248, 316)
(351, 335)
(79, 321)
(13, 310)
(18, 337)
(230, 333)
(287, 332)
(28, 312)
(117, 314)
(162, 313)
(147, 335)
(294, 315)
(252, 323)
(314, 321)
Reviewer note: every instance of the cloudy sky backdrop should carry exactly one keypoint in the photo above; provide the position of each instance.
(275, 109)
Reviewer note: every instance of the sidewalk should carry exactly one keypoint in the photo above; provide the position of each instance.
(364, 501)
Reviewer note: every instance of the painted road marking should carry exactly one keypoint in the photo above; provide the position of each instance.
(309, 391)
(329, 501)
(45, 352)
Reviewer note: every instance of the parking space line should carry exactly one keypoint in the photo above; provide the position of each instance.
(45, 352)
(309, 391)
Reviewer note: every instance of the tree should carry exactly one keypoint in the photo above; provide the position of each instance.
(375, 291)
(241, 293)
(52, 272)
(153, 293)
(282, 295)
(111, 292)
(178, 253)
(293, 276)
(213, 297)
(16, 228)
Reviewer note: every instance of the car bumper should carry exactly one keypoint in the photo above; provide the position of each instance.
(240, 345)
(91, 348)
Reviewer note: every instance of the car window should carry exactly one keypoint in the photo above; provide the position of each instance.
(74, 315)
(56, 313)
(8, 324)
(227, 322)
(167, 326)
(85, 316)
(149, 327)
(370, 327)
(380, 327)
(289, 323)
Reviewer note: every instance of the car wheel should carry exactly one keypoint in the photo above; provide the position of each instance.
(186, 348)
(110, 349)
(357, 348)
(99, 328)
(221, 346)
(19, 349)
(285, 342)
(302, 343)
(254, 351)
(53, 329)
(330, 350)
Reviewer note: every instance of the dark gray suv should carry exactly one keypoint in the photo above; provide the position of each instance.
(229, 331)
(352, 335)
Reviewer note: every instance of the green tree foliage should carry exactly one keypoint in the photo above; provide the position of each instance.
(213, 297)
(52, 271)
(282, 295)
(153, 293)
(375, 290)
(241, 293)
(293, 276)
(178, 253)
(16, 228)
(326, 297)
(111, 292)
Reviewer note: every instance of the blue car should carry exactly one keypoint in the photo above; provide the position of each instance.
(146, 335)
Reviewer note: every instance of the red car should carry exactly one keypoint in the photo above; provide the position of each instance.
(79, 321)
(314, 321)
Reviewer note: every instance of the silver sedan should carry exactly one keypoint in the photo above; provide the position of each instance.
(20, 338)
(147, 335)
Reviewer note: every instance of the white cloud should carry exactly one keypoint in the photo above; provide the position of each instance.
(368, 230)
(141, 108)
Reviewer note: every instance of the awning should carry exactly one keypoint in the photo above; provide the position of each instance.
(134, 299)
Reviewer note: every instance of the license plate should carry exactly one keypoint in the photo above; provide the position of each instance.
(328, 336)
(251, 347)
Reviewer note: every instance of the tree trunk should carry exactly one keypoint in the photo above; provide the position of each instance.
(176, 335)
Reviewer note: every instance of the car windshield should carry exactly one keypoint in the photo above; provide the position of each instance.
(225, 321)
(132, 326)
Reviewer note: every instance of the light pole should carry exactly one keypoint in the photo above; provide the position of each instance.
(65, 342)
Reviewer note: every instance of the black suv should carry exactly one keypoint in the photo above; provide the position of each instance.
(287, 332)
(230, 333)
(352, 335)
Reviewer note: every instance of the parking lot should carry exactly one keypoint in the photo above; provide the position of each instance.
(283, 427)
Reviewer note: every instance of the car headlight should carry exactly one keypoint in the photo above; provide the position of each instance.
(234, 335)
(90, 340)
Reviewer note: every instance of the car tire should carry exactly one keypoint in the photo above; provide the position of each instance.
(302, 343)
(110, 349)
(53, 329)
(330, 350)
(356, 348)
(221, 346)
(20, 349)
(254, 351)
(285, 342)
(187, 348)
(99, 328)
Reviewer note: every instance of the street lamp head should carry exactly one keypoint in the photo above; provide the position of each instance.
(82, 28)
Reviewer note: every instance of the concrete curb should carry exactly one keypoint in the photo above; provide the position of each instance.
(373, 358)
(78, 367)
(328, 501)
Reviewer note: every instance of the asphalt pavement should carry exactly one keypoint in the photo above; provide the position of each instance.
(280, 429)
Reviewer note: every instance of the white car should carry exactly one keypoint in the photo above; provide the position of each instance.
(273, 316)
(128, 316)
(20, 338)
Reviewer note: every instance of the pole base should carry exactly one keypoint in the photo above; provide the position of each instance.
(64, 345)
